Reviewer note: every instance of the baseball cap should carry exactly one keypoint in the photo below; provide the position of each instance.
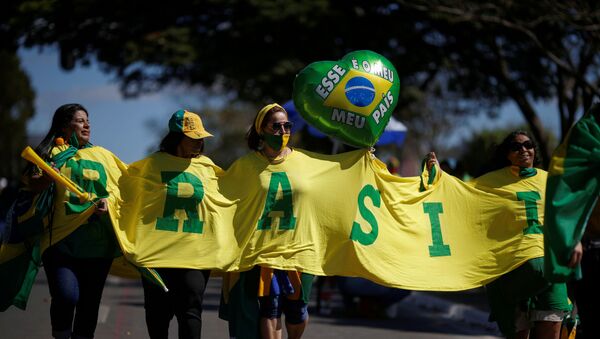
(188, 123)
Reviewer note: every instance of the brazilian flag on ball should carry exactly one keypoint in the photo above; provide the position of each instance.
(351, 99)
(571, 194)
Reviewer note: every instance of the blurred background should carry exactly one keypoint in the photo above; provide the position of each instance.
(470, 72)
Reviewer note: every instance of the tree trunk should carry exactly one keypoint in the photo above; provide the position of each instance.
(526, 108)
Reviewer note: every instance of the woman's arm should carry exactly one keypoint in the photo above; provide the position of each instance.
(37, 181)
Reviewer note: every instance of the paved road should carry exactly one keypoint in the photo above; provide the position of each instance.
(421, 315)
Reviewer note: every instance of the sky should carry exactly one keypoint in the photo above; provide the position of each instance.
(121, 125)
(117, 124)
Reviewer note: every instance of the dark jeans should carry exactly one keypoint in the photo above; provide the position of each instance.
(184, 301)
(76, 286)
(587, 293)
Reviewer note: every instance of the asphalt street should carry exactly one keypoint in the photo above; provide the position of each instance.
(420, 315)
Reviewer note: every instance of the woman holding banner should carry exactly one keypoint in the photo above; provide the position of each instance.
(79, 245)
(523, 300)
(162, 201)
(271, 188)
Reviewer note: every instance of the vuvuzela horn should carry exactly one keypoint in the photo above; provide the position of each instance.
(30, 155)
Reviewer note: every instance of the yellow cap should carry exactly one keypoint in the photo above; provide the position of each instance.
(188, 123)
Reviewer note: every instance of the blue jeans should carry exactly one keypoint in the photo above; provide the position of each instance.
(76, 286)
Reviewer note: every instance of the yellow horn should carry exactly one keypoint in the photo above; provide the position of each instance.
(30, 155)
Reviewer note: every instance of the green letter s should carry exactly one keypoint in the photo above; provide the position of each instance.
(357, 233)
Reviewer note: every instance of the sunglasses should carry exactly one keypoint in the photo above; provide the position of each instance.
(516, 146)
(287, 126)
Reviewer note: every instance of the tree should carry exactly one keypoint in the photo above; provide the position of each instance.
(475, 155)
(16, 97)
(16, 107)
(521, 51)
(481, 54)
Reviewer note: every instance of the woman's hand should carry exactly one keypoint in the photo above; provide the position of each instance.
(101, 206)
(41, 181)
(431, 160)
(576, 255)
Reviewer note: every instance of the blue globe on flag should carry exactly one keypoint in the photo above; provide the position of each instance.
(360, 91)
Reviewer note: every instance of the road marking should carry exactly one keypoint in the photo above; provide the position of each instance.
(103, 311)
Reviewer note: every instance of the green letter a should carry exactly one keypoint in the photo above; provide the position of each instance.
(283, 204)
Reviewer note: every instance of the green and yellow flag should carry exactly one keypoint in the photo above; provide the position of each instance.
(96, 171)
(572, 190)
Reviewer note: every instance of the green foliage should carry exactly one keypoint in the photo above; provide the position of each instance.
(477, 152)
(477, 54)
(16, 107)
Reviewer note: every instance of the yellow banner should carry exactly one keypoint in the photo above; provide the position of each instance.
(329, 215)
(172, 214)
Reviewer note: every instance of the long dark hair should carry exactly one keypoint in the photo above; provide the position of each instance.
(252, 135)
(170, 142)
(500, 156)
(61, 119)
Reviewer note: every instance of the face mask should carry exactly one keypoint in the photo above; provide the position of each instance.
(276, 142)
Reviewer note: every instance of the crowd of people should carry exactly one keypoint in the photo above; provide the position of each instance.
(522, 302)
